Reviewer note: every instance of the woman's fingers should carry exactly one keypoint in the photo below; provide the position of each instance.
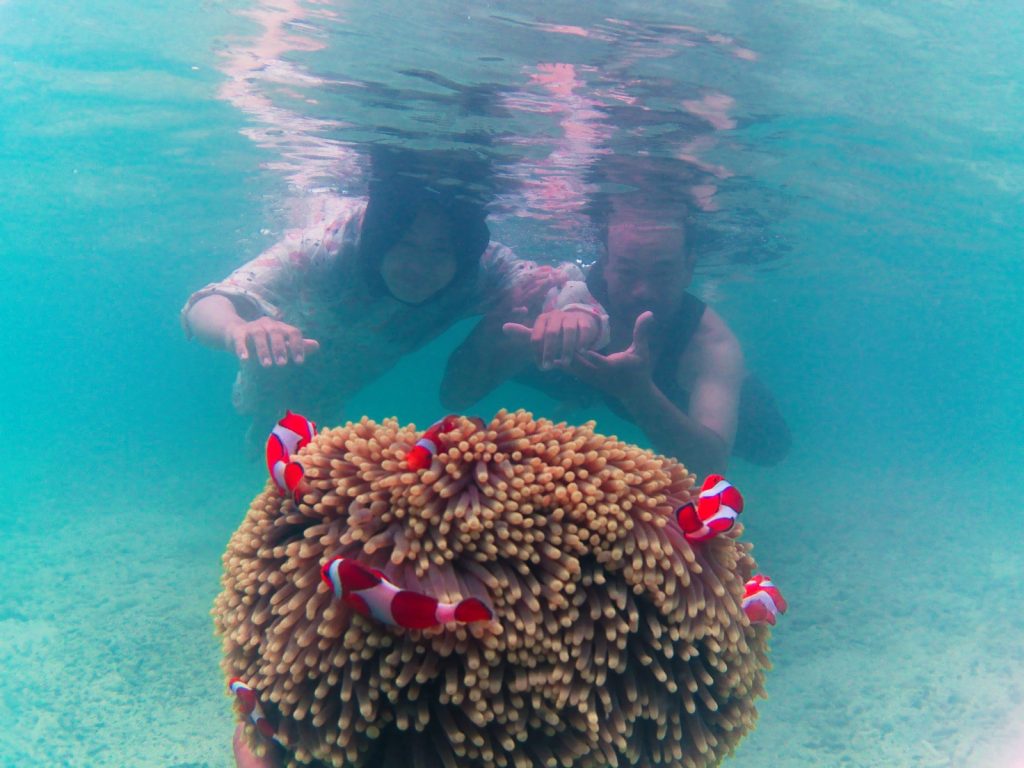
(540, 341)
(279, 346)
(261, 347)
(517, 331)
(240, 342)
(555, 337)
(271, 342)
(294, 343)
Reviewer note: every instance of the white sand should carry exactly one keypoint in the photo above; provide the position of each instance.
(902, 646)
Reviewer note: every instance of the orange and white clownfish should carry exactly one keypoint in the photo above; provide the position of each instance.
(370, 594)
(762, 600)
(250, 706)
(715, 512)
(427, 446)
(289, 435)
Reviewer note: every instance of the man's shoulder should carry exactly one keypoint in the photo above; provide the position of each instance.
(714, 345)
(713, 328)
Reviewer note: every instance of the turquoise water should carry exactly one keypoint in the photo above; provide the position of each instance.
(869, 258)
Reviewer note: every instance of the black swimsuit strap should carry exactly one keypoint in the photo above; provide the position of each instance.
(673, 339)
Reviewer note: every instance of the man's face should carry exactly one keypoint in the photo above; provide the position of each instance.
(647, 267)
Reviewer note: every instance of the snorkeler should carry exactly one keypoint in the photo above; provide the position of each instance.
(673, 366)
(330, 308)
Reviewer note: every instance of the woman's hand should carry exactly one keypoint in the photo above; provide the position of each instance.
(270, 341)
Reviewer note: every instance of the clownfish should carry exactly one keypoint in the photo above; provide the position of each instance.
(370, 594)
(250, 706)
(289, 435)
(427, 446)
(762, 600)
(715, 512)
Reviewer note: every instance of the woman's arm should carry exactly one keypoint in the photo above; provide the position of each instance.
(210, 318)
(243, 312)
(217, 324)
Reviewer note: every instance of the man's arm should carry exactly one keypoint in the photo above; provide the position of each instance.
(498, 348)
(701, 437)
(481, 363)
(720, 371)
(677, 434)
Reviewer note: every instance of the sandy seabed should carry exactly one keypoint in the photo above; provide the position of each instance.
(902, 646)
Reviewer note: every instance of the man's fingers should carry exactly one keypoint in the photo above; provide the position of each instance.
(590, 360)
(311, 346)
(570, 343)
(517, 331)
(642, 334)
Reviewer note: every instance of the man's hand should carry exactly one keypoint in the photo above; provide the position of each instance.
(556, 336)
(622, 374)
(272, 342)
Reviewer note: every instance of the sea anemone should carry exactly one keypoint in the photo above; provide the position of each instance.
(615, 641)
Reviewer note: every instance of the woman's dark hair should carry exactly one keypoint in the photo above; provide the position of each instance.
(402, 183)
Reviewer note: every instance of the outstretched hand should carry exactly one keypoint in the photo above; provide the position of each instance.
(270, 341)
(556, 336)
(620, 373)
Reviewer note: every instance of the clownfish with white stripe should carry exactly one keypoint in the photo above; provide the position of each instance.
(370, 594)
(715, 512)
(250, 706)
(762, 600)
(288, 437)
(426, 448)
